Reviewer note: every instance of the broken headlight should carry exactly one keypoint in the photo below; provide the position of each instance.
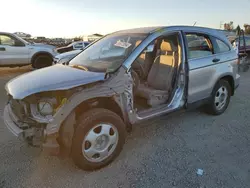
(45, 108)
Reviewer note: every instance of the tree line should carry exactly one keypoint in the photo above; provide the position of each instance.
(230, 27)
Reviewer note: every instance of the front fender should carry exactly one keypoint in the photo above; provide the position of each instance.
(114, 86)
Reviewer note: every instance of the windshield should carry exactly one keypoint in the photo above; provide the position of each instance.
(107, 54)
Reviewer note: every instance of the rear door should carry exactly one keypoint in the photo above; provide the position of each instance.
(225, 55)
(201, 58)
(13, 51)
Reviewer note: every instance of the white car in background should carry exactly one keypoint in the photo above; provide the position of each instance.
(17, 52)
(64, 58)
(79, 45)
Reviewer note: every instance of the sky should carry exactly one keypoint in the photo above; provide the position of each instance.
(69, 18)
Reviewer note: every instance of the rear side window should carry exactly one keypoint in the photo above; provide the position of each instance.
(198, 46)
(220, 46)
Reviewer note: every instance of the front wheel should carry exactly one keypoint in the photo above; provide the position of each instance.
(42, 61)
(98, 139)
(220, 98)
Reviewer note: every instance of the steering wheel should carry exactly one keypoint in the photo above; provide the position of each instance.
(140, 69)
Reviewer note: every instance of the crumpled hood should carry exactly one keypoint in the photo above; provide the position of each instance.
(69, 54)
(57, 77)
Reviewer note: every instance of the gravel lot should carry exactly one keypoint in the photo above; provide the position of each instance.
(161, 153)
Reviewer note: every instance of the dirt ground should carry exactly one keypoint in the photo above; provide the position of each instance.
(165, 152)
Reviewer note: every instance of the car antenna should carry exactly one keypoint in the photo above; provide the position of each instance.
(194, 23)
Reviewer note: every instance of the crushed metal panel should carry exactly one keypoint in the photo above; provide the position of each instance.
(115, 85)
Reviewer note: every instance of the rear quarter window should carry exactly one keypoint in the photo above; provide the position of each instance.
(220, 46)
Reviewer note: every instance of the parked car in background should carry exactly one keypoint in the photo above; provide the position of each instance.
(79, 45)
(64, 58)
(242, 45)
(85, 108)
(15, 51)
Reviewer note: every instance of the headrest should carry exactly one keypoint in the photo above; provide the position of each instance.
(166, 46)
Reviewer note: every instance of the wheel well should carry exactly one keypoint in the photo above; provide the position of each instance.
(68, 130)
(39, 54)
(230, 80)
(102, 102)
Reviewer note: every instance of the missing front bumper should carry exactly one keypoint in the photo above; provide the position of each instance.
(50, 145)
(8, 116)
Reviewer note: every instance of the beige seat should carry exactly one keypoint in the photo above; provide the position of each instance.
(159, 80)
(143, 61)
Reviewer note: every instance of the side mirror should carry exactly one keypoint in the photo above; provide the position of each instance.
(150, 48)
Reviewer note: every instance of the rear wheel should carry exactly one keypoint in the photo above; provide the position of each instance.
(220, 98)
(98, 140)
(42, 61)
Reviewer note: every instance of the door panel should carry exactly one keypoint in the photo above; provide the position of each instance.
(12, 52)
(14, 55)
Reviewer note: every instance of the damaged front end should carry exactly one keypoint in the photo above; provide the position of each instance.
(29, 117)
(35, 98)
(44, 113)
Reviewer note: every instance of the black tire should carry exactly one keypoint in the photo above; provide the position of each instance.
(85, 123)
(42, 61)
(211, 108)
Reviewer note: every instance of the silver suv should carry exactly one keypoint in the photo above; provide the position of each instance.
(85, 109)
(15, 51)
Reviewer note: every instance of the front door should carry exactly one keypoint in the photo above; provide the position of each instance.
(13, 51)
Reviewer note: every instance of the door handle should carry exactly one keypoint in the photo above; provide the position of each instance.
(2, 49)
(215, 60)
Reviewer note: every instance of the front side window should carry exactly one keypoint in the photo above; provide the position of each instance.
(198, 46)
(108, 53)
(6, 40)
